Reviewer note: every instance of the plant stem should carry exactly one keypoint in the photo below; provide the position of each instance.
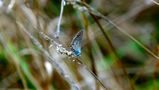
(112, 48)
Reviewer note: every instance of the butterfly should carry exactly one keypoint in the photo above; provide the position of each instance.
(76, 43)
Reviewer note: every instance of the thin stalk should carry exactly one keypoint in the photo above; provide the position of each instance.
(56, 43)
(53, 41)
(50, 59)
(106, 36)
(93, 65)
(60, 18)
(96, 13)
(155, 2)
(80, 62)
(112, 48)
(96, 77)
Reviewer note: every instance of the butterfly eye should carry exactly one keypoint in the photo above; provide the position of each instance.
(76, 43)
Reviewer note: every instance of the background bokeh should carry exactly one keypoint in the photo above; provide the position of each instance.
(119, 51)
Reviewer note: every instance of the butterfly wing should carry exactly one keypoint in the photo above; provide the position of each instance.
(76, 43)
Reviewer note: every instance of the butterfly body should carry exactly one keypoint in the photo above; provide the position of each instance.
(77, 52)
(76, 43)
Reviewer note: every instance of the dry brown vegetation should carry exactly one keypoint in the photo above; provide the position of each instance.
(119, 47)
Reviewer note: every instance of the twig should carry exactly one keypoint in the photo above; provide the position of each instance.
(112, 48)
(91, 10)
(155, 2)
(80, 62)
(50, 59)
(93, 65)
(59, 21)
(62, 50)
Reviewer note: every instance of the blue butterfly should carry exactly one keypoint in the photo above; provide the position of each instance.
(76, 43)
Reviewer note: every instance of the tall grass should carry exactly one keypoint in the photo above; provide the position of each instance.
(119, 48)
